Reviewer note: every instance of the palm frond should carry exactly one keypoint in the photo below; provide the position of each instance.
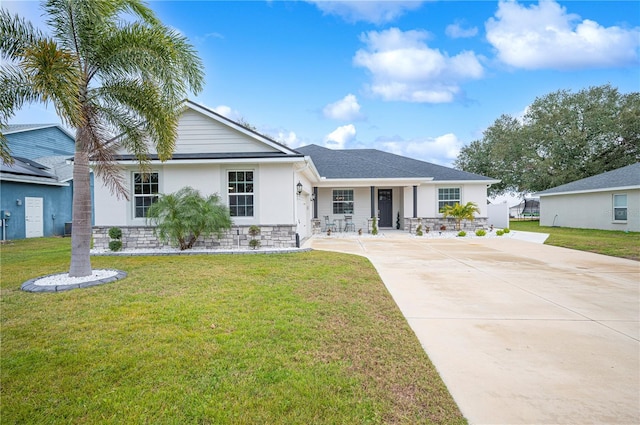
(17, 34)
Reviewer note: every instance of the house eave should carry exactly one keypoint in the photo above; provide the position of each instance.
(579, 192)
(367, 182)
(31, 180)
(247, 160)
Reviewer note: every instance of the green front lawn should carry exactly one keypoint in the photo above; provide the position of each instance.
(308, 338)
(607, 242)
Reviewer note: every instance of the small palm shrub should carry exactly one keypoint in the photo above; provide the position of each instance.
(481, 232)
(460, 212)
(462, 233)
(182, 217)
(499, 232)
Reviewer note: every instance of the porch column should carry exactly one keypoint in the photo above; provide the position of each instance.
(315, 202)
(373, 201)
(415, 201)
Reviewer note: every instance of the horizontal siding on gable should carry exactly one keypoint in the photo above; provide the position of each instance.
(200, 134)
(42, 142)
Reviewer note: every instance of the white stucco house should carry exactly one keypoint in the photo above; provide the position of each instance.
(607, 201)
(286, 192)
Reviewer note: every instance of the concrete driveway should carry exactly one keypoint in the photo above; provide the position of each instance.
(521, 333)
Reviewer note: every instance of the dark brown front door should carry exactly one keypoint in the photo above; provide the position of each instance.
(385, 208)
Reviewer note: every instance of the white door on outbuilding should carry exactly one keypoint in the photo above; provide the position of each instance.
(33, 217)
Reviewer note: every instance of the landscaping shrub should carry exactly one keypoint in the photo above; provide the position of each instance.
(481, 232)
(506, 230)
(181, 217)
(419, 230)
(115, 245)
(499, 232)
(462, 233)
(115, 233)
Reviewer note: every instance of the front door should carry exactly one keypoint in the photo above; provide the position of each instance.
(385, 208)
(33, 217)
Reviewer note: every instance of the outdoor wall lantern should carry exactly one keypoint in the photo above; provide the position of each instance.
(299, 187)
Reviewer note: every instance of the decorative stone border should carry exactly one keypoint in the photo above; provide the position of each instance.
(30, 285)
(160, 252)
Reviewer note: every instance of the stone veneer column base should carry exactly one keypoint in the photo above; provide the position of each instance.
(142, 237)
(431, 224)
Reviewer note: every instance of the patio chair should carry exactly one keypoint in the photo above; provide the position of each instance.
(329, 225)
(349, 224)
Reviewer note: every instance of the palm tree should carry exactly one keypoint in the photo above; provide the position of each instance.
(110, 68)
(460, 212)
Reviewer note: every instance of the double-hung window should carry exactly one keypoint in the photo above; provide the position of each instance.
(620, 207)
(448, 196)
(343, 201)
(145, 192)
(241, 193)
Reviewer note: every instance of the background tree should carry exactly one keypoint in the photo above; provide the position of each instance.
(460, 212)
(110, 68)
(182, 217)
(562, 137)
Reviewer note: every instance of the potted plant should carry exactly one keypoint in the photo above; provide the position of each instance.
(115, 233)
(254, 231)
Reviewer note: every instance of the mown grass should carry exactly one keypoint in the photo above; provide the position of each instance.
(307, 338)
(607, 242)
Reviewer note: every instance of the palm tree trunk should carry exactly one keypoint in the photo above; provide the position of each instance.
(81, 213)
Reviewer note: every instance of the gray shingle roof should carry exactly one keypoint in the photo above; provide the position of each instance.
(372, 163)
(621, 177)
(14, 128)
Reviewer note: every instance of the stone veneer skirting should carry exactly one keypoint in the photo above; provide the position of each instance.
(142, 237)
(434, 223)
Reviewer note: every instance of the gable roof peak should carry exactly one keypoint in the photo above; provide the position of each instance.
(237, 126)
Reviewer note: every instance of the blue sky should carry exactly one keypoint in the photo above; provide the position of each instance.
(416, 78)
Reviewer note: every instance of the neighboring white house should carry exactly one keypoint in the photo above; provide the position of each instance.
(607, 201)
(285, 192)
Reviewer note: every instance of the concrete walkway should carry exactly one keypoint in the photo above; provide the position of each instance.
(521, 333)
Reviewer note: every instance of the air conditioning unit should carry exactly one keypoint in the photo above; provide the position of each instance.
(67, 228)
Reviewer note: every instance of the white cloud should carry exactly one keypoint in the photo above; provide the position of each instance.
(403, 67)
(227, 112)
(457, 30)
(200, 39)
(545, 36)
(345, 109)
(442, 150)
(287, 138)
(339, 137)
(377, 12)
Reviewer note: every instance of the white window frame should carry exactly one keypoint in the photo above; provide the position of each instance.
(449, 201)
(339, 203)
(231, 192)
(621, 207)
(151, 194)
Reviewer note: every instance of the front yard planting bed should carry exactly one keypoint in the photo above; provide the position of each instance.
(305, 338)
